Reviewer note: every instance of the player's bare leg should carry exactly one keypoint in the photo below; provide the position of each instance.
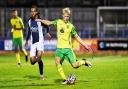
(40, 63)
(33, 60)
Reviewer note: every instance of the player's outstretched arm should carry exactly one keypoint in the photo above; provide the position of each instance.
(46, 22)
(82, 43)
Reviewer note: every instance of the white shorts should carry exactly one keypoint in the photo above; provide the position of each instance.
(38, 46)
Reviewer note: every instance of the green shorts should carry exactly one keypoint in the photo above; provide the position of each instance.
(18, 42)
(65, 53)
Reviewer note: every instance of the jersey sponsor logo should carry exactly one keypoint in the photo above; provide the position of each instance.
(34, 29)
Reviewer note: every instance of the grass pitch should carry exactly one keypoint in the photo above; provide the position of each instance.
(108, 72)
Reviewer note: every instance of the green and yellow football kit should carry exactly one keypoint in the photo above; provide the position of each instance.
(64, 45)
(18, 35)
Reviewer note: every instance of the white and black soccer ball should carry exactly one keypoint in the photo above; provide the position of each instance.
(71, 79)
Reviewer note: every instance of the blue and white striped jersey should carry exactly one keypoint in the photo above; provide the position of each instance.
(35, 30)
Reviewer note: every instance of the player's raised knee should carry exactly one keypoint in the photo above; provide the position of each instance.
(32, 60)
(57, 60)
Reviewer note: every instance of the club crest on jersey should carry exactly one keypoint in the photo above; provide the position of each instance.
(62, 30)
(34, 29)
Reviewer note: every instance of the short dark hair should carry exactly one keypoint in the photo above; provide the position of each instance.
(14, 10)
(38, 14)
(36, 8)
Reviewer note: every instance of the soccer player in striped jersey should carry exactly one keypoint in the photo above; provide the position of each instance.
(37, 39)
(17, 33)
(65, 30)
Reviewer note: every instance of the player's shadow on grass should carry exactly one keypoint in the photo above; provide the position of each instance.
(32, 77)
(58, 81)
(82, 81)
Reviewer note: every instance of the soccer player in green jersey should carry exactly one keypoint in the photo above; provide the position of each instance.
(65, 30)
(17, 33)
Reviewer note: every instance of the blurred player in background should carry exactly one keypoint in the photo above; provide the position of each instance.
(65, 30)
(37, 39)
(17, 32)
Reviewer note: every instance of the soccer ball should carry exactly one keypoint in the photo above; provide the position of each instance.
(71, 79)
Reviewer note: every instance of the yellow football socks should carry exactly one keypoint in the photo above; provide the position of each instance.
(18, 57)
(81, 62)
(25, 52)
(60, 70)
